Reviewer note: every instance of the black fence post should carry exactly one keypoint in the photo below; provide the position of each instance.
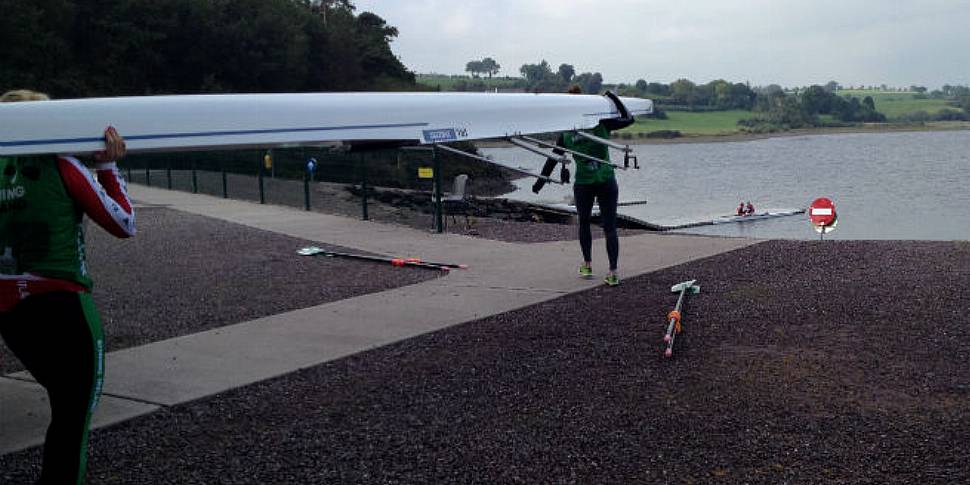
(148, 175)
(306, 178)
(262, 195)
(225, 184)
(195, 178)
(438, 219)
(168, 174)
(306, 189)
(363, 185)
(128, 168)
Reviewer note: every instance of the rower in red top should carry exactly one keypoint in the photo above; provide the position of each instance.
(47, 315)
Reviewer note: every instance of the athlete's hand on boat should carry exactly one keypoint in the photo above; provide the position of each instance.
(114, 146)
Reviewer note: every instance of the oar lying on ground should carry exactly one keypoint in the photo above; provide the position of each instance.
(317, 251)
(674, 326)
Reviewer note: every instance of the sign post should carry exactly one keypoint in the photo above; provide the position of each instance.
(823, 216)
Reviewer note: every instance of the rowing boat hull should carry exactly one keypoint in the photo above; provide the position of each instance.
(198, 122)
(757, 216)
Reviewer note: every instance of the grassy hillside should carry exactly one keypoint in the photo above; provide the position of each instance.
(894, 104)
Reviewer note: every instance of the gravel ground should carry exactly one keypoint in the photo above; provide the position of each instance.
(802, 362)
(184, 273)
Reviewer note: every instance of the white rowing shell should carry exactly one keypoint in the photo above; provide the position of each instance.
(194, 122)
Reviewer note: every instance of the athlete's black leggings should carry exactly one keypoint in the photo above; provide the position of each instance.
(606, 194)
(58, 338)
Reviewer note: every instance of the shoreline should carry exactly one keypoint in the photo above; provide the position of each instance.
(742, 137)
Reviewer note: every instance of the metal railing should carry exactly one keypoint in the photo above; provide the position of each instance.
(250, 175)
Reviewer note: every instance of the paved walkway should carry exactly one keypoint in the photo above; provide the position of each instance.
(502, 277)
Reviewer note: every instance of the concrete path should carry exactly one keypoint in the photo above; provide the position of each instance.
(502, 277)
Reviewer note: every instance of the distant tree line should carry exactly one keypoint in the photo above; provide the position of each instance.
(777, 110)
(77, 48)
(774, 107)
(540, 78)
(947, 91)
(484, 66)
(684, 94)
(964, 102)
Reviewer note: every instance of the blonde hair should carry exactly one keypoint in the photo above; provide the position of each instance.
(22, 95)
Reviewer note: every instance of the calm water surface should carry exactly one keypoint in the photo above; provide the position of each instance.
(885, 185)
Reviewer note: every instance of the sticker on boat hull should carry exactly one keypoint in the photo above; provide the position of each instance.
(444, 134)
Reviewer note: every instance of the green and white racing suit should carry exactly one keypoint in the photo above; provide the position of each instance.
(47, 316)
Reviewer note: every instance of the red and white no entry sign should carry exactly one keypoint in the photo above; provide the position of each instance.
(822, 214)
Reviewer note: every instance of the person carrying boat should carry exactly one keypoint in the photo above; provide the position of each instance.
(740, 211)
(749, 209)
(594, 182)
(47, 316)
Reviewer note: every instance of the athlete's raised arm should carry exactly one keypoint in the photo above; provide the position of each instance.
(104, 200)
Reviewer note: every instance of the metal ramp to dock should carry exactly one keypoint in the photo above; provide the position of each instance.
(565, 210)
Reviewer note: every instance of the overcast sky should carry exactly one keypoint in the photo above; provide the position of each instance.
(787, 42)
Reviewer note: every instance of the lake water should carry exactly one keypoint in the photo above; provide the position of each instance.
(908, 185)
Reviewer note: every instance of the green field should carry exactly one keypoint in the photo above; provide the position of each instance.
(687, 123)
(447, 83)
(894, 104)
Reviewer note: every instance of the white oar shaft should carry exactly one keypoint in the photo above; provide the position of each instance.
(573, 152)
(507, 166)
(539, 151)
(680, 298)
(604, 141)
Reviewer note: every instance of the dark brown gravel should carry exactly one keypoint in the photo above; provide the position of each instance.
(184, 273)
(802, 362)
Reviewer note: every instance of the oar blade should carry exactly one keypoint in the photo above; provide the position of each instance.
(681, 286)
(311, 251)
